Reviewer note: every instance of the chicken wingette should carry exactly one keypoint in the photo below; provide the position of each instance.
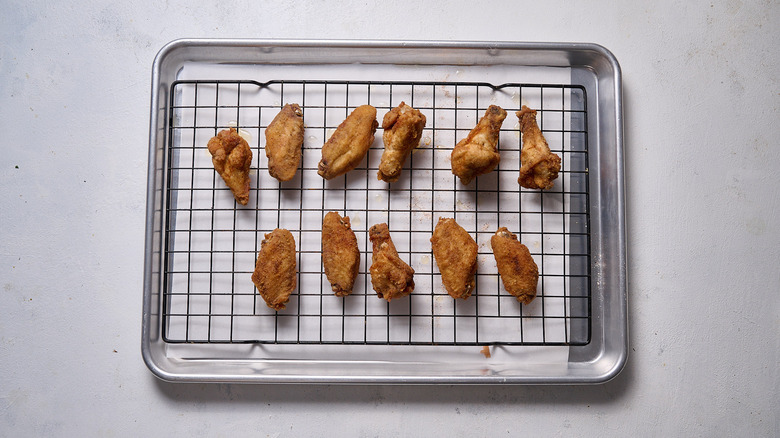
(340, 253)
(347, 147)
(274, 275)
(283, 142)
(516, 266)
(455, 252)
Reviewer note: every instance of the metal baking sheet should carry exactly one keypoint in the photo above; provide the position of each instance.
(202, 318)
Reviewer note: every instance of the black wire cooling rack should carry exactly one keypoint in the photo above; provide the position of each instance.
(211, 242)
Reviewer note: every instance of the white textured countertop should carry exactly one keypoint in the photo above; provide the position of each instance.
(701, 100)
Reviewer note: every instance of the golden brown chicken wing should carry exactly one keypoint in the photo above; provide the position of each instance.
(516, 267)
(232, 157)
(477, 154)
(283, 142)
(346, 148)
(391, 277)
(539, 167)
(403, 127)
(455, 252)
(274, 274)
(340, 253)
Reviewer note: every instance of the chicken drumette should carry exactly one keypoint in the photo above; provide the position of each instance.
(403, 128)
(232, 157)
(391, 277)
(477, 154)
(539, 167)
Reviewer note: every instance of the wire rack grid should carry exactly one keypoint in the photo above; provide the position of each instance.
(211, 242)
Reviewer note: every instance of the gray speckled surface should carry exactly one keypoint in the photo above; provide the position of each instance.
(701, 126)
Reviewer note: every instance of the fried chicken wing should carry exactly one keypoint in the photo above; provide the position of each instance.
(403, 127)
(346, 148)
(340, 253)
(391, 277)
(283, 142)
(232, 157)
(516, 267)
(455, 252)
(477, 154)
(539, 167)
(274, 274)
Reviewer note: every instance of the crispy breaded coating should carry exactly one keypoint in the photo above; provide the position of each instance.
(477, 154)
(403, 126)
(283, 142)
(391, 277)
(539, 166)
(274, 274)
(232, 157)
(346, 148)
(516, 267)
(340, 253)
(455, 252)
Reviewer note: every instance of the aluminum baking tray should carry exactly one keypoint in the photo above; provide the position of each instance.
(203, 321)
